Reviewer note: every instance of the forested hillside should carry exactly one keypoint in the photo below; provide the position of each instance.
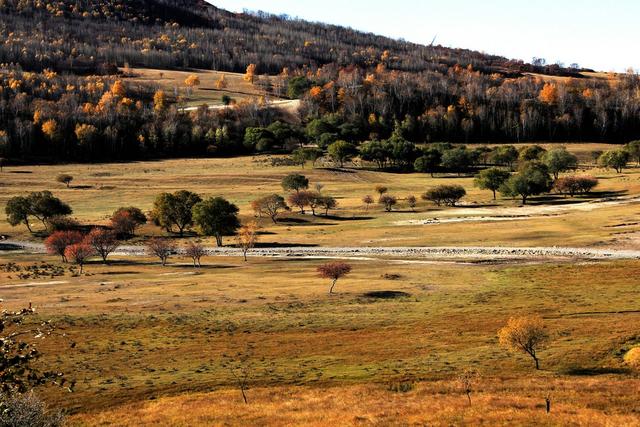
(62, 96)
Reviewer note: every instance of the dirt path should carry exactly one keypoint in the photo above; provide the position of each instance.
(470, 253)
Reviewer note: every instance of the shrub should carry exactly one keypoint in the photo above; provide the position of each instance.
(26, 410)
(448, 195)
(632, 358)
(412, 201)
(573, 185)
(63, 223)
(367, 200)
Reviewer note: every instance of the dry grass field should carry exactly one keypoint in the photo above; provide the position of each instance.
(152, 341)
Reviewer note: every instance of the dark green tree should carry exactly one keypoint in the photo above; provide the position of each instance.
(216, 217)
(174, 209)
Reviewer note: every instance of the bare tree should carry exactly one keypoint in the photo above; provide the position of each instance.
(195, 251)
(467, 381)
(162, 248)
(367, 200)
(240, 367)
(104, 242)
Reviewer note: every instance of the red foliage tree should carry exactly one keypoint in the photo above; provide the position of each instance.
(103, 242)
(58, 242)
(334, 271)
(79, 253)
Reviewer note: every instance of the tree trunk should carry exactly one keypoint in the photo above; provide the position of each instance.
(81, 265)
(332, 285)
(469, 397)
(244, 253)
(219, 240)
(244, 396)
(537, 362)
(26, 222)
(494, 194)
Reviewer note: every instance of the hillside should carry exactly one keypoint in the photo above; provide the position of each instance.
(90, 36)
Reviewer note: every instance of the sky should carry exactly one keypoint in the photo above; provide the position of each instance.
(599, 34)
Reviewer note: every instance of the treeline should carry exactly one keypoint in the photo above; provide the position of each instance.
(91, 36)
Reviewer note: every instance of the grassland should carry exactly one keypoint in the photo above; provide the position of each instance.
(151, 340)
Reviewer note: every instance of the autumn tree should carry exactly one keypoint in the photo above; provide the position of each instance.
(216, 217)
(524, 335)
(175, 210)
(467, 381)
(270, 206)
(632, 358)
(57, 242)
(549, 93)
(192, 81)
(491, 179)
(126, 220)
(221, 83)
(381, 189)
(250, 74)
(247, 237)
(159, 101)
(79, 253)
(301, 199)
(195, 251)
(412, 202)
(161, 248)
(103, 242)
(64, 179)
(573, 185)
(334, 271)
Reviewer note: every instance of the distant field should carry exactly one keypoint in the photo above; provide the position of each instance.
(173, 82)
(98, 190)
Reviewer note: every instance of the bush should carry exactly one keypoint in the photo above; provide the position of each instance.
(573, 185)
(632, 358)
(63, 223)
(388, 202)
(448, 195)
(26, 410)
(64, 179)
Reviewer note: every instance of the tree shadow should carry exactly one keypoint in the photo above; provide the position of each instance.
(386, 295)
(594, 371)
(284, 245)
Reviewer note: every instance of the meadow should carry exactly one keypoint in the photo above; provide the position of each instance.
(155, 344)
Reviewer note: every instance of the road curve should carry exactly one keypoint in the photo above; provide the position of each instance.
(481, 253)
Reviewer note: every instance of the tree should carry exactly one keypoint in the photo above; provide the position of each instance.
(259, 139)
(428, 162)
(467, 381)
(78, 253)
(250, 74)
(525, 335)
(216, 217)
(456, 160)
(44, 206)
(18, 209)
(295, 182)
(26, 410)
(491, 179)
(302, 199)
(269, 206)
(64, 179)
(633, 148)
(388, 202)
(505, 155)
(175, 209)
(378, 152)
(195, 251)
(615, 159)
(159, 101)
(192, 81)
(632, 358)
(531, 180)
(162, 248)
(549, 93)
(381, 189)
(531, 153)
(103, 242)
(221, 83)
(412, 202)
(57, 242)
(85, 134)
(334, 271)
(327, 203)
(367, 200)
(247, 237)
(448, 195)
(342, 151)
(125, 221)
(573, 185)
(559, 160)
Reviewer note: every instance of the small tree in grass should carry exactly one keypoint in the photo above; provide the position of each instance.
(467, 381)
(334, 271)
(448, 195)
(367, 200)
(216, 217)
(270, 206)
(327, 203)
(247, 237)
(162, 248)
(300, 199)
(491, 179)
(524, 335)
(295, 182)
(381, 189)
(57, 243)
(64, 179)
(79, 253)
(126, 220)
(388, 201)
(412, 202)
(195, 251)
(103, 242)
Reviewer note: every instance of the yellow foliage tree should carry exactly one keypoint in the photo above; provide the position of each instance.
(247, 237)
(50, 129)
(315, 92)
(85, 133)
(192, 81)
(632, 358)
(221, 83)
(549, 93)
(118, 89)
(250, 75)
(524, 335)
(159, 101)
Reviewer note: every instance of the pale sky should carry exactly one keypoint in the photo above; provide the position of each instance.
(598, 34)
